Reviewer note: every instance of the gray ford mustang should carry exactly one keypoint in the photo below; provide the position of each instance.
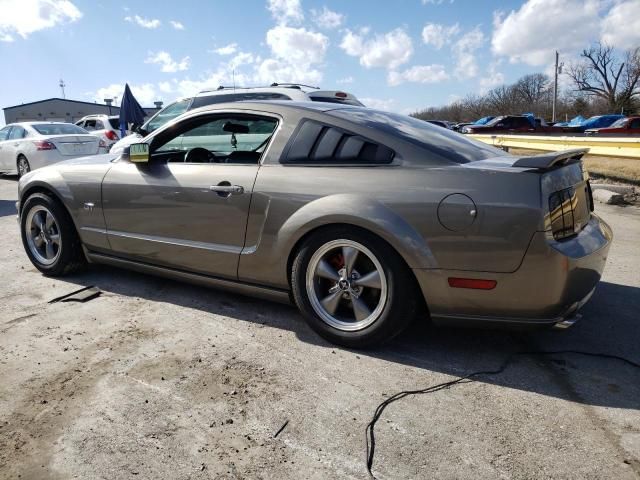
(362, 218)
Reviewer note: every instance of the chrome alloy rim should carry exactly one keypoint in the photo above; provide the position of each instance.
(43, 235)
(346, 285)
(23, 167)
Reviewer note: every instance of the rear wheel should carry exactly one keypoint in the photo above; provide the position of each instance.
(49, 236)
(23, 166)
(352, 288)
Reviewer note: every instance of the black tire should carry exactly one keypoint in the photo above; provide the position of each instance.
(401, 298)
(70, 257)
(24, 168)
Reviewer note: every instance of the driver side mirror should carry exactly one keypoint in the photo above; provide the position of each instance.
(137, 153)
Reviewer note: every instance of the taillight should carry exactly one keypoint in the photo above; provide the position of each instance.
(44, 145)
(561, 212)
(111, 135)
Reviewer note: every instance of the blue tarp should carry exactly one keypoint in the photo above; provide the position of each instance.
(598, 121)
(531, 117)
(130, 111)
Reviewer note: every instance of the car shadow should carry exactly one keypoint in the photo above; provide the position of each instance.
(609, 325)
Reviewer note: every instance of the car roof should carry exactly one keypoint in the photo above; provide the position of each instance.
(268, 105)
(294, 91)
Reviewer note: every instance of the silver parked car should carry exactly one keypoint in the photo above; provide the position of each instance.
(29, 145)
(361, 217)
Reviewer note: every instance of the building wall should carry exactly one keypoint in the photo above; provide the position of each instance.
(59, 110)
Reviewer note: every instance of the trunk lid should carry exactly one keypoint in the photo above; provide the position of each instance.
(565, 193)
(75, 145)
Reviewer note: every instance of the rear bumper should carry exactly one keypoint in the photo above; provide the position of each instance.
(553, 281)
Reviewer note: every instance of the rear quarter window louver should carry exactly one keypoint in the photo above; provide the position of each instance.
(316, 143)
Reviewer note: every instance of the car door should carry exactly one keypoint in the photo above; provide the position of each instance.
(5, 160)
(187, 208)
(634, 127)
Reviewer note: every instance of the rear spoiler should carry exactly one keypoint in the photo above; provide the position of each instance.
(546, 161)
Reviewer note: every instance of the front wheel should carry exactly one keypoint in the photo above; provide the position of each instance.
(49, 236)
(23, 166)
(352, 288)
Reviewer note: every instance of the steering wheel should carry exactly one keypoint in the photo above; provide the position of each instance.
(199, 155)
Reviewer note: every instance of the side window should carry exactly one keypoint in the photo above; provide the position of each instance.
(218, 139)
(17, 133)
(4, 133)
(90, 125)
(315, 143)
(80, 124)
(99, 125)
(635, 123)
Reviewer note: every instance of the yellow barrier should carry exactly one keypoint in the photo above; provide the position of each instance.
(607, 146)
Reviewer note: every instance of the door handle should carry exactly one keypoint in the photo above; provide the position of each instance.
(225, 189)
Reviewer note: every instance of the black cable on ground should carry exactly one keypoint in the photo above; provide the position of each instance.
(370, 434)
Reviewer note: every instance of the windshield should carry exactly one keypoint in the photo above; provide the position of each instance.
(58, 129)
(167, 114)
(619, 123)
(449, 145)
(115, 123)
(495, 121)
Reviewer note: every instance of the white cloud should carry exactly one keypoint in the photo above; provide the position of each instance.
(296, 53)
(150, 23)
(389, 50)
(621, 26)
(168, 64)
(227, 49)
(144, 93)
(439, 35)
(176, 25)
(463, 51)
(297, 45)
(418, 74)
(165, 87)
(345, 80)
(532, 33)
(492, 78)
(326, 18)
(24, 17)
(378, 103)
(286, 11)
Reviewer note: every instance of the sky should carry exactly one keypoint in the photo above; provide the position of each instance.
(400, 55)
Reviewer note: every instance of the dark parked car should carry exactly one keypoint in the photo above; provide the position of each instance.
(362, 218)
(503, 124)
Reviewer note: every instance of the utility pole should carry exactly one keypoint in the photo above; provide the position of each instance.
(62, 85)
(555, 89)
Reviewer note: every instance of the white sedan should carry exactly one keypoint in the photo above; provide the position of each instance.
(29, 145)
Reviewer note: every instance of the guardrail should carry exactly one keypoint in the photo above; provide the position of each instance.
(607, 146)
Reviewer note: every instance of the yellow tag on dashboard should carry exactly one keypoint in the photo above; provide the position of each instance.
(139, 152)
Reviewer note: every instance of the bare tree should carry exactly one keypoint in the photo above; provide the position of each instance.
(533, 89)
(602, 74)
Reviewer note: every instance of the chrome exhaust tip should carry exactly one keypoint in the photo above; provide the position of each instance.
(567, 322)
